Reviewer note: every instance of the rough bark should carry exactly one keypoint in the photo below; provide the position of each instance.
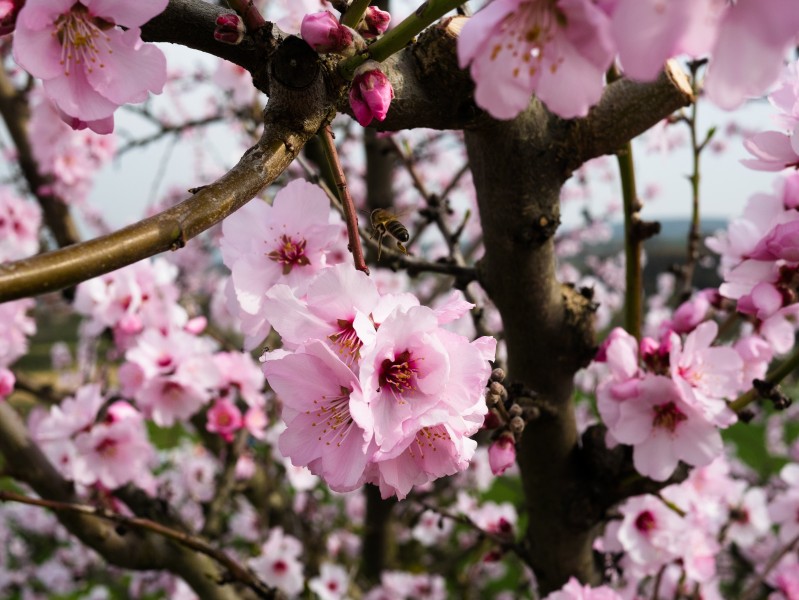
(519, 167)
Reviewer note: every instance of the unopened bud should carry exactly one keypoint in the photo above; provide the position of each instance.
(502, 453)
(516, 425)
(374, 23)
(229, 29)
(492, 399)
(515, 410)
(497, 374)
(498, 389)
(324, 33)
(370, 94)
(9, 9)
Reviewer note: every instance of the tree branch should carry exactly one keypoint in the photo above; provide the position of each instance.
(290, 119)
(127, 549)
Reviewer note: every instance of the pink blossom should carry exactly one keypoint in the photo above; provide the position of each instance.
(114, 452)
(502, 453)
(316, 389)
(431, 528)
(15, 328)
(324, 33)
(706, 374)
(557, 50)
(754, 36)
(417, 374)
(648, 32)
(285, 243)
(781, 243)
(19, 226)
(434, 451)
(241, 376)
(756, 354)
(84, 59)
(278, 564)
(337, 308)
(772, 151)
(255, 422)
(224, 418)
(370, 94)
(664, 428)
(332, 583)
(574, 590)
(650, 532)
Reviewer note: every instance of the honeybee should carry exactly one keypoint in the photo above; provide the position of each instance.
(385, 222)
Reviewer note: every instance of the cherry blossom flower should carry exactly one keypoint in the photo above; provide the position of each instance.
(283, 243)
(337, 307)
(115, 451)
(650, 532)
(19, 226)
(574, 590)
(374, 23)
(416, 375)
(664, 428)
(331, 583)
(557, 50)
(15, 328)
(278, 564)
(316, 389)
(88, 63)
(224, 418)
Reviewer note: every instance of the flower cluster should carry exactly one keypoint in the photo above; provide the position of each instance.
(374, 389)
(760, 263)
(561, 49)
(111, 451)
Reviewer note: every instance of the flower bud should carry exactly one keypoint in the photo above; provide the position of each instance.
(9, 9)
(229, 29)
(374, 23)
(7, 381)
(371, 93)
(497, 374)
(324, 33)
(502, 453)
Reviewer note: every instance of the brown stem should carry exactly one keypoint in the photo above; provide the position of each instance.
(350, 215)
(378, 541)
(249, 12)
(15, 112)
(290, 119)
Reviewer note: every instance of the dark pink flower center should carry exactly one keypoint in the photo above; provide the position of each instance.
(107, 447)
(668, 416)
(290, 253)
(739, 515)
(280, 567)
(398, 374)
(645, 522)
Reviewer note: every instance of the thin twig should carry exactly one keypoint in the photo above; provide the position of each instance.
(252, 18)
(238, 572)
(350, 216)
(752, 589)
(777, 374)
